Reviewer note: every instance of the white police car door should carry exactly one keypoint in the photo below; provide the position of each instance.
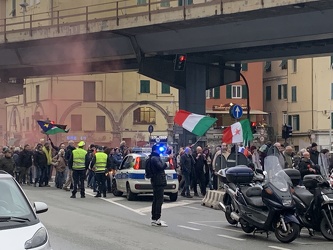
(123, 172)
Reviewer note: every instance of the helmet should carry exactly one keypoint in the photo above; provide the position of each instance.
(81, 144)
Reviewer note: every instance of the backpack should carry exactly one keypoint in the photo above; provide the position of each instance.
(148, 168)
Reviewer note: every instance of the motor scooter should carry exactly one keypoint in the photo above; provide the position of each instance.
(314, 202)
(265, 208)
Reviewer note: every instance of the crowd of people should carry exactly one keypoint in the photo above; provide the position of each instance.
(194, 165)
(37, 165)
(201, 166)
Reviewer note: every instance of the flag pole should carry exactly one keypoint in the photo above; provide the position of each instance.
(195, 142)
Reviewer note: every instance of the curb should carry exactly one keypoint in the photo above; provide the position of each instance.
(212, 199)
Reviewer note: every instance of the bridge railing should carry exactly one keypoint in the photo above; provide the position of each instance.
(114, 11)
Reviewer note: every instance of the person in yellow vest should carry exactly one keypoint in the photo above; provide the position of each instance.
(101, 164)
(77, 162)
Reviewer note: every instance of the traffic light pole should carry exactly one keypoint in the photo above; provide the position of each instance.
(248, 95)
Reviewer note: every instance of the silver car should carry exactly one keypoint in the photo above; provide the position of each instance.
(20, 228)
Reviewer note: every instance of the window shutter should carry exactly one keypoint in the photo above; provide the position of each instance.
(217, 93)
(331, 120)
(244, 66)
(165, 88)
(285, 91)
(228, 92)
(293, 94)
(331, 66)
(297, 122)
(268, 93)
(279, 92)
(144, 86)
(244, 92)
(290, 120)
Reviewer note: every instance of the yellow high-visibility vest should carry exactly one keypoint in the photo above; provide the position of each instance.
(79, 156)
(101, 162)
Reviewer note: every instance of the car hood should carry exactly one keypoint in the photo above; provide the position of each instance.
(14, 239)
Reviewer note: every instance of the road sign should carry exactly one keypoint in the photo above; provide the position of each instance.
(236, 111)
(150, 129)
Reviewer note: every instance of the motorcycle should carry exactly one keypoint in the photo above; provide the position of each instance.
(314, 203)
(265, 208)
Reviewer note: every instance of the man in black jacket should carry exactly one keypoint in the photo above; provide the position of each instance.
(25, 161)
(158, 181)
(306, 166)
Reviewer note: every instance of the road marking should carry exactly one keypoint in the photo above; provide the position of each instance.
(230, 237)
(118, 204)
(226, 229)
(195, 208)
(279, 248)
(191, 228)
(165, 206)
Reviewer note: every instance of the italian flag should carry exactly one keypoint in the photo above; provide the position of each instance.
(238, 132)
(197, 124)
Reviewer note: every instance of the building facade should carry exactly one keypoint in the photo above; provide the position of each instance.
(219, 100)
(298, 92)
(103, 109)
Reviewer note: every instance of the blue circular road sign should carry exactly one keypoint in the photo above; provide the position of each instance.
(236, 111)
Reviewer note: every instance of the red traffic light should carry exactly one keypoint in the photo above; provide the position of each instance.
(52, 122)
(182, 58)
(253, 124)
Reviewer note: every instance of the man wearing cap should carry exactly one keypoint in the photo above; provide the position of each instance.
(7, 162)
(314, 154)
(101, 163)
(79, 165)
(158, 182)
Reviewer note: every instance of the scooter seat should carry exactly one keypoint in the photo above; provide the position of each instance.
(253, 197)
(305, 195)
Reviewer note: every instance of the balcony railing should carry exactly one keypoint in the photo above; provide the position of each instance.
(114, 11)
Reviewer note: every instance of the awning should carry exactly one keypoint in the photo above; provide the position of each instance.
(252, 112)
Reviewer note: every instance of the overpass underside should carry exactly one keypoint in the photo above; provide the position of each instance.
(211, 40)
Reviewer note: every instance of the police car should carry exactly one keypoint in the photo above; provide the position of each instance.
(130, 177)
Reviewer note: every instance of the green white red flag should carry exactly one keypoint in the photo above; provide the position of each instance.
(197, 124)
(238, 132)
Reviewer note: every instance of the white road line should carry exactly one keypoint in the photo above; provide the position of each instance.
(190, 228)
(229, 237)
(164, 206)
(226, 229)
(279, 248)
(195, 208)
(118, 204)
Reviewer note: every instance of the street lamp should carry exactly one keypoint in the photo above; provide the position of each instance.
(24, 7)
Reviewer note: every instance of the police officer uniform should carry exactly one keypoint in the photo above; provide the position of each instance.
(78, 164)
(101, 163)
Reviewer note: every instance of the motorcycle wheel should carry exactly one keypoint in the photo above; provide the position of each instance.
(289, 235)
(247, 228)
(325, 229)
(228, 215)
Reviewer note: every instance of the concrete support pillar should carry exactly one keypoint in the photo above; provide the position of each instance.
(193, 97)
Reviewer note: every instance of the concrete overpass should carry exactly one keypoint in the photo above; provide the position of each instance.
(124, 36)
(117, 36)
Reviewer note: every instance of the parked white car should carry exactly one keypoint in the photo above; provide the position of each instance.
(130, 178)
(20, 228)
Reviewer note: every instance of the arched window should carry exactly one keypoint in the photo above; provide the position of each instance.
(144, 115)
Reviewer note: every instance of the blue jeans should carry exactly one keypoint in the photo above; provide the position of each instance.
(41, 176)
(60, 179)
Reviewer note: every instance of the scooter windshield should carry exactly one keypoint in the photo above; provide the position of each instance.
(275, 174)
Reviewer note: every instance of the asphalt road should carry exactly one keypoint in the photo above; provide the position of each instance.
(115, 223)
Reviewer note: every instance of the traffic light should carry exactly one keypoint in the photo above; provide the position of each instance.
(180, 62)
(254, 127)
(287, 131)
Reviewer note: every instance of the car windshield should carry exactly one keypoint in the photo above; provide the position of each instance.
(14, 207)
(275, 174)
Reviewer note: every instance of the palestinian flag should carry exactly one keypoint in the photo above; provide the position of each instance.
(52, 129)
(238, 132)
(197, 124)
